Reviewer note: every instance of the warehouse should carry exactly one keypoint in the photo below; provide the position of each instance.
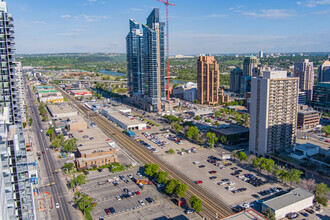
(294, 201)
(125, 121)
(61, 110)
(81, 92)
(76, 123)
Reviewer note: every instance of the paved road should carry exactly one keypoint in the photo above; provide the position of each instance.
(58, 191)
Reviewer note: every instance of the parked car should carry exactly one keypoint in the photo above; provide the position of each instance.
(212, 177)
(201, 166)
(141, 203)
(112, 210)
(149, 200)
(107, 211)
(199, 182)
(304, 214)
(212, 172)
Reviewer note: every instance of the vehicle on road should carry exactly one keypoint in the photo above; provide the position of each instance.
(57, 205)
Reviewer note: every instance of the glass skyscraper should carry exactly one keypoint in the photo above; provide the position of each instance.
(146, 74)
(134, 45)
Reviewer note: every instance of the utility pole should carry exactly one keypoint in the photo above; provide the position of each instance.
(167, 47)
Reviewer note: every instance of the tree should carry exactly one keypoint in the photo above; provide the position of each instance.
(281, 174)
(49, 131)
(24, 124)
(30, 121)
(56, 143)
(79, 180)
(322, 200)
(68, 166)
(240, 102)
(70, 145)
(234, 154)
(171, 185)
(196, 101)
(170, 151)
(223, 139)
(270, 214)
(52, 136)
(309, 184)
(321, 189)
(217, 114)
(161, 176)
(196, 203)
(151, 169)
(175, 85)
(198, 117)
(181, 190)
(257, 163)
(269, 165)
(242, 156)
(326, 130)
(192, 133)
(212, 138)
(85, 203)
(294, 176)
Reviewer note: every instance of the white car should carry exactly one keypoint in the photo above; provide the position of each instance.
(141, 203)
(118, 198)
(241, 176)
(196, 162)
(57, 205)
(230, 188)
(221, 183)
(231, 183)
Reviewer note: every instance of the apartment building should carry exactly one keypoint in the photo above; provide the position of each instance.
(305, 71)
(273, 112)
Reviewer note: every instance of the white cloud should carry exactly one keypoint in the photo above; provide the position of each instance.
(270, 13)
(65, 16)
(313, 3)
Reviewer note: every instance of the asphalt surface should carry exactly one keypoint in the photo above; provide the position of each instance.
(57, 190)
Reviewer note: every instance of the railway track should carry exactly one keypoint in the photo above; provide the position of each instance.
(213, 208)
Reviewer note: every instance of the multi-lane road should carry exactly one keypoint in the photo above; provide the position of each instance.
(57, 190)
(213, 208)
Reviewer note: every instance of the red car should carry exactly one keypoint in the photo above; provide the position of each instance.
(137, 193)
(107, 211)
(148, 127)
(199, 182)
(80, 131)
(213, 172)
(107, 139)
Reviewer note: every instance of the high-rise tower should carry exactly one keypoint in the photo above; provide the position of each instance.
(273, 112)
(14, 177)
(249, 63)
(154, 59)
(305, 71)
(207, 80)
(324, 72)
(134, 48)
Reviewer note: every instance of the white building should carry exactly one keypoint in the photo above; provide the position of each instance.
(302, 151)
(20, 85)
(305, 71)
(124, 120)
(261, 54)
(273, 112)
(294, 201)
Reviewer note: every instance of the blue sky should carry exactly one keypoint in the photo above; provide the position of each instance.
(196, 26)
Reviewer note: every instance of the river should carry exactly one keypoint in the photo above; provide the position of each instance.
(113, 73)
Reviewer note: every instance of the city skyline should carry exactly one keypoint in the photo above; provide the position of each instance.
(226, 27)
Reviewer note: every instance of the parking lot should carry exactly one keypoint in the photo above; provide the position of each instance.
(126, 198)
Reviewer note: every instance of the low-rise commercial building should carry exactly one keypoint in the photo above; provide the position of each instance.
(51, 98)
(294, 201)
(81, 92)
(62, 110)
(76, 123)
(95, 155)
(301, 151)
(234, 134)
(247, 214)
(308, 119)
(40, 91)
(45, 87)
(125, 121)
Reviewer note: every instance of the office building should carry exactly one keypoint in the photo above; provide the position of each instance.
(324, 72)
(249, 64)
(207, 80)
(261, 54)
(321, 97)
(273, 112)
(235, 79)
(308, 118)
(305, 71)
(134, 48)
(302, 99)
(223, 98)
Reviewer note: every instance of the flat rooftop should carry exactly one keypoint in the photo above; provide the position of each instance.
(306, 146)
(231, 129)
(79, 90)
(307, 112)
(94, 132)
(287, 199)
(61, 108)
(129, 121)
(91, 148)
(249, 214)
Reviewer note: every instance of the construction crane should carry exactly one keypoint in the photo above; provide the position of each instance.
(167, 48)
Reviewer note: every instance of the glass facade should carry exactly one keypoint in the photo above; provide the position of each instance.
(134, 45)
(321, 97)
